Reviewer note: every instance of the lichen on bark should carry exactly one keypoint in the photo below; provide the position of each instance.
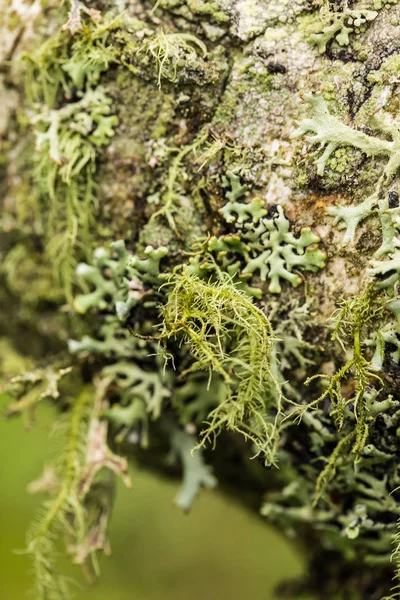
(168, 151)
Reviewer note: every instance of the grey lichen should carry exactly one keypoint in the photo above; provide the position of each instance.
(196, 474)
(276, 252)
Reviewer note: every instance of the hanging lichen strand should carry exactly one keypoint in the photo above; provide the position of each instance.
(65, 512)
(228, 335)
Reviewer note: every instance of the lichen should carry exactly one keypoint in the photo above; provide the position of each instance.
(119, 275)
(168, 50)
(208, 317)
(338, 26)
(185, 342)
(331, 134)
(276, 252)
(196, 474)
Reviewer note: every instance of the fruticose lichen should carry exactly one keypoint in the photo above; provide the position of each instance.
(176, 138)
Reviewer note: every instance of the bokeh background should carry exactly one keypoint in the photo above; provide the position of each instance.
(218, 551)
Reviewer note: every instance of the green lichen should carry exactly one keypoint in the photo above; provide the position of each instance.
(31, 388)
(169, 50)
(227, 253)
(351, 325)
(386, 272)
(65, 512)
(338, 26)
(196, 474)
(291, 349)
(276, 252)
(118, 278)
(195, 399)
(266, 244)
(261, 244)
(133, 382)
(228, 335)
(330, 133)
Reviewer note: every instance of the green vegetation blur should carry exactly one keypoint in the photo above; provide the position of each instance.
(218, 551)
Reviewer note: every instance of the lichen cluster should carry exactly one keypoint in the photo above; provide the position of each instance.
(179, 227)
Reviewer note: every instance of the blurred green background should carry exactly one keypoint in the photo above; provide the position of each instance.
(158, 553)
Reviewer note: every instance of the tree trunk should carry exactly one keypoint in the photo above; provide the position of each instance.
(200, 248)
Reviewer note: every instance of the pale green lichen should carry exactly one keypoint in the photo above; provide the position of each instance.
(276, 252)
(227, 253)
(266, 244)
(168, 50)
(133, 382)
(31, 388)
(330, 133)
(386, 272)
(117, 277)
(208, 317)
(291, 349)
(196, 474)
(197, 397)
(239, 212)
(338, 26)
